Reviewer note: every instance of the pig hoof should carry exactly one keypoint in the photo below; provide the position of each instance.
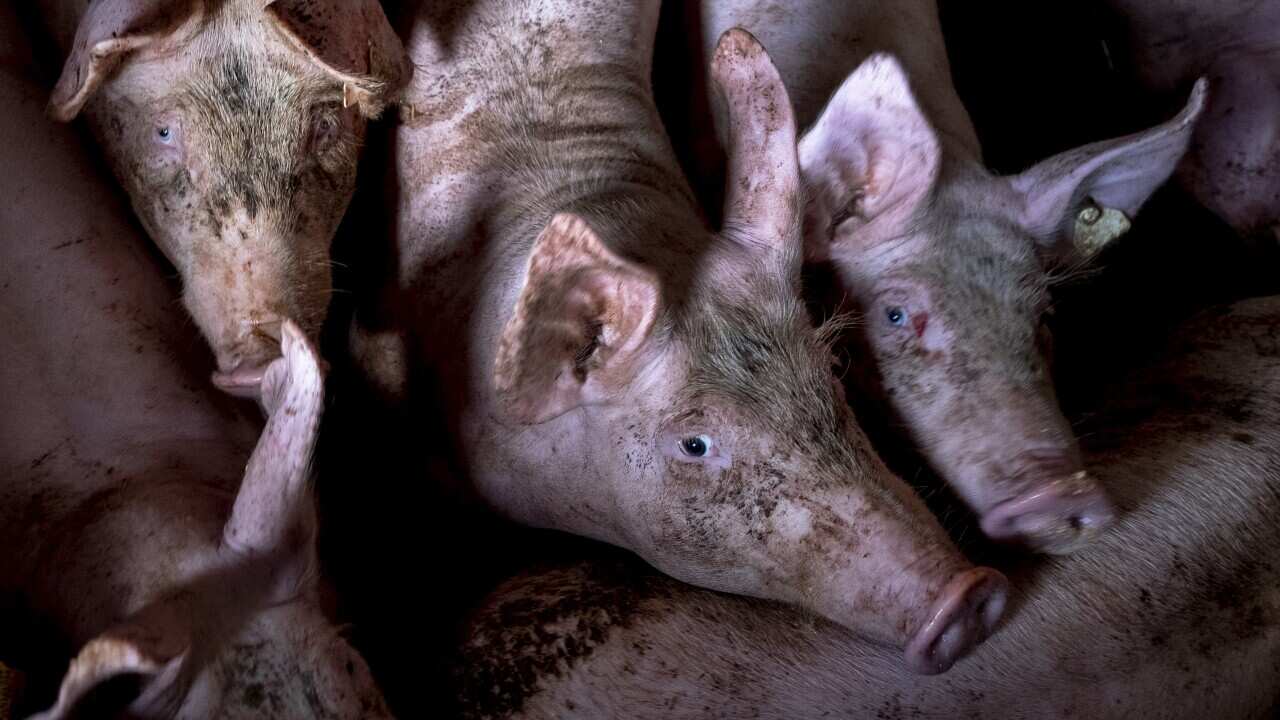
(297, 374)
(967, 612)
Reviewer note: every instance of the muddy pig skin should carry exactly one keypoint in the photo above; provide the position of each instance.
(235, 127)
(949, 266)
(615, 370)
(1173, 615)
(134, 535)
(1233, 166)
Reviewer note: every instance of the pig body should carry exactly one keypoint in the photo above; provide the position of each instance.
(950, 265)
(134, 535)
(611, 368)
(235, 128)
(1233, 166)
(1173, 614)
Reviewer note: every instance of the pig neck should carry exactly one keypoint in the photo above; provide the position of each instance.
(536, 108)
(850, 31)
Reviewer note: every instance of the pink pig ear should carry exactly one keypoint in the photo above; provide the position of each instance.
(1118, 175)
(353, 42)
(582, 317)
(869, 161)
(762, 195)
(148, 655)
(273, 518)
(108, 32)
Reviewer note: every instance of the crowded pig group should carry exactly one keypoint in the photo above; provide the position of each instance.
(783, 391)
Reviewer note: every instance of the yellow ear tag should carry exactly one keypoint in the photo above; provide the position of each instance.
(1097, 226)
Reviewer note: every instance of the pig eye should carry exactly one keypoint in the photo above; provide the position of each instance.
(696, 446)
(167, 132)
(324, 131)
(896, 316)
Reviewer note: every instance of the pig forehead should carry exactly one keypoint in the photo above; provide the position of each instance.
(238, 90)
(978, 265)
(285, 662)
(766, 363)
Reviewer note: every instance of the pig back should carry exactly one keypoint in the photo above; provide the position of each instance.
(816, 45)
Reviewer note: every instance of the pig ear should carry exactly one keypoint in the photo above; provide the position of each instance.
(273, 517)
(108, 32)
(580, 320)
(869, 161)
(151, 651)
(353, 42)
(762, 195)
(1065, 198)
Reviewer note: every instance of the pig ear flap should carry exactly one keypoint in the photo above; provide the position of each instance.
(273, 517)
(579, 324)
(1078, 202)
(108, 32)
(762, 193)
(353, 42)
(869, 161)
(137, 669)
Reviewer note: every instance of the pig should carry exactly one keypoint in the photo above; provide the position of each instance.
(1174, 614)
(615, 370)
(235, 129)
(132, 527)
(1233, 167)
(949, 267)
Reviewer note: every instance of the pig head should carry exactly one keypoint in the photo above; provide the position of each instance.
(689, 411)
(235, 128)
(219, 620)
(951, 268)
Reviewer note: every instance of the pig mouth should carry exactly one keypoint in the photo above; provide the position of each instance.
(244, 381)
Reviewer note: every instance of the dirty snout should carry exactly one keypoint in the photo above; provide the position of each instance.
(1021, 472)
(896, 577)
(1059, 509)
(241, 289)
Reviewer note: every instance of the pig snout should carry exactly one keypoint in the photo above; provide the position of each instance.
(1058, 508)
(242, 365)
(964, 615)
(904, 583)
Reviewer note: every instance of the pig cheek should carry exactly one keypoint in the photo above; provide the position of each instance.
(688, 516)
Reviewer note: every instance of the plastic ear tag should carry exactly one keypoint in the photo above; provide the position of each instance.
(1097, 226)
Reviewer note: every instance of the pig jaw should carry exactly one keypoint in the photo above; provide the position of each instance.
(241, 174)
